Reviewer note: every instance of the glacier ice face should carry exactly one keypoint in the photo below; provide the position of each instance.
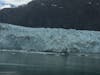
(48, 39)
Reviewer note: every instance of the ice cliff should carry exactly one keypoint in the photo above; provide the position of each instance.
(48, 39)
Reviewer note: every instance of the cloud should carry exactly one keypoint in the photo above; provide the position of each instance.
(5, 6)
(8, 3)
(17, 2)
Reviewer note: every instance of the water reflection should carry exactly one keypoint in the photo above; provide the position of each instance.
(19, 63)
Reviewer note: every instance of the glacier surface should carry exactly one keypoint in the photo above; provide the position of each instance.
(48, 39)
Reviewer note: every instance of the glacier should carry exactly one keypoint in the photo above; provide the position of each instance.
(13, 37)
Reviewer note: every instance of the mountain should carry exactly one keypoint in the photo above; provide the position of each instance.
(58, 40)
(69, 14)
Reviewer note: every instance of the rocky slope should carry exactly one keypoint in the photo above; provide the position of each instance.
(80, 14)
(48, 39)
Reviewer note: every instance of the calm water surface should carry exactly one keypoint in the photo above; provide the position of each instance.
(19, 63)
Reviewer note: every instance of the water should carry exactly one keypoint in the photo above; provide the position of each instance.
(23, 63)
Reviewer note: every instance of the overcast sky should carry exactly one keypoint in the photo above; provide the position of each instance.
(17, 2)
(13, 2)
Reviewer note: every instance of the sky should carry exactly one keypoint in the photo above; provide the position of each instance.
(17, 2)
(8, 3)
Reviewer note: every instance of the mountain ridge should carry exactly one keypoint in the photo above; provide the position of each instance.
(55, 14)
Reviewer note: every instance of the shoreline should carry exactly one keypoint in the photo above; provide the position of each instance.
(51, 53)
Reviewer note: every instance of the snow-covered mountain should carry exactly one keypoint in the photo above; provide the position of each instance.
(48, 39)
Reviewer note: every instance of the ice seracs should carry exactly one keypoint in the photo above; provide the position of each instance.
(49, 39)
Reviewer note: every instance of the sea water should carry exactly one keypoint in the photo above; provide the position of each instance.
(24, 63)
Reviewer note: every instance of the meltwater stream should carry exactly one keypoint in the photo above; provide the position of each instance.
(23, 63)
